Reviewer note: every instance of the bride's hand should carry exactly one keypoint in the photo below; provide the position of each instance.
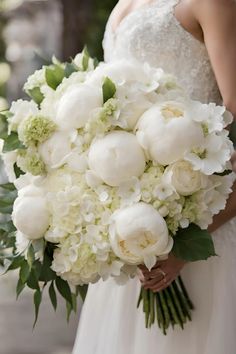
(162, 274)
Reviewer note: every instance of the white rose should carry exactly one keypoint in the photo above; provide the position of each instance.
(139, 234)
(21, 110)
(30, 214)
(56, 149)
(167, 134)
(77, 105)
(116, 158)
(185, 180)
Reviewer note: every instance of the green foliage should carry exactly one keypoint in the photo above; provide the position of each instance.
(54, 75)
(109, 89)
(36, 95)
(193, 244)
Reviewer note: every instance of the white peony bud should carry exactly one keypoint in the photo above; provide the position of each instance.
(30, 214)
(77, 105)
(139, 234)
(167, 134)
(116, 158)
(183, 178)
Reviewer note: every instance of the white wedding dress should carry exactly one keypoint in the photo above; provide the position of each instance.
(110, 322)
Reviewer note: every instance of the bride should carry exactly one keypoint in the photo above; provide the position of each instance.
(195, 40)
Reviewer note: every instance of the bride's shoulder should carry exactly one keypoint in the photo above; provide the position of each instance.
(212, 10)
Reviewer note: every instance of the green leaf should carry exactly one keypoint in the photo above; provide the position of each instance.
(109, 89)
(82, 290)
(18, 171)
(24, 272)
(32, 281)
(30, 256)
(7, 226)
(70, 68)
(6, 209)
(225, 173)
(47, 274)
(85, 60)
(8, 186)
(193, 244)
(16, 263)
(12, 143)
(19, 288)
(95, 62)
(37, 302)
(36, 95)
(54, 76)
(3, 126)
(53, 296)
(64, 290)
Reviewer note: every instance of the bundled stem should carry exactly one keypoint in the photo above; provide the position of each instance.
(171, 306)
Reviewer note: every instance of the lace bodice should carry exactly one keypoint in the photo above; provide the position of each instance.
(152, 34)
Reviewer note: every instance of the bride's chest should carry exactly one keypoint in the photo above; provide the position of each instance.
(153, 34)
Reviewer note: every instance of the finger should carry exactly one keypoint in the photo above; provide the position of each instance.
(162, 286)
(152, 282)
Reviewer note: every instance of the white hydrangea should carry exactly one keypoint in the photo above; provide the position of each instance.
(20, 111)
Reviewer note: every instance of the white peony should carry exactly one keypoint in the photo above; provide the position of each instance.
(139, 234)
(21, 110)
(30, 214)
(183, 178)
(56, 149)
(77, 105)
(166, 133)
(116, 158)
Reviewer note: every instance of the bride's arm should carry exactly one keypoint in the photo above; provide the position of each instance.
(217, 19)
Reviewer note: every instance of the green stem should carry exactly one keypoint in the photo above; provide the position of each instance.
(165, 311)
(172, 308)
(146, 307)
(183, 301)
(152, 308)
(140, 298)
(177, 303)
(190, 304)
(160, 315)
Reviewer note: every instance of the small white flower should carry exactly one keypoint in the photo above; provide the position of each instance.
(212, 155)
(130, 191)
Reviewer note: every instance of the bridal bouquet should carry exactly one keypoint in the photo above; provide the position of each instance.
(110, 166)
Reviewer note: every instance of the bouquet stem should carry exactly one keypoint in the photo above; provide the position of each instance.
(171, 306)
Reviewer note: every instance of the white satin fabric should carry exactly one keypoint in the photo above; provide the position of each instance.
(110, 322)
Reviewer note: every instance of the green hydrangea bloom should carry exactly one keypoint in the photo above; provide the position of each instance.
(172, 225)
(31, 162)
(36, 129)
(189, 209)
(108, 109)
